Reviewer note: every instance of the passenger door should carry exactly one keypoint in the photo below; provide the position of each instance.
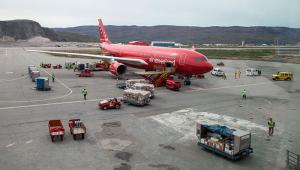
(182, 59)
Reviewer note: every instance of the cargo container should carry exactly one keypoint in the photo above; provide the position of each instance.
(81, 67)
(145, 87)
(131, 82)
(136, 97)
(34, 75)
(231, 143)
(42, 83)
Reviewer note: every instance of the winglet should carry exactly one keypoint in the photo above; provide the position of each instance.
(103, 38)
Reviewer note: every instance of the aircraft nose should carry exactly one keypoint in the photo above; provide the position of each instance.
(208, 67)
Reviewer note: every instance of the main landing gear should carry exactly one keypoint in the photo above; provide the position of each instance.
(187, 81)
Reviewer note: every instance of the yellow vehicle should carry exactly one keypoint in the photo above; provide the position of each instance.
(283, 76)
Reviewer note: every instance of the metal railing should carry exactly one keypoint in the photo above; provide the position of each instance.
(293, 160)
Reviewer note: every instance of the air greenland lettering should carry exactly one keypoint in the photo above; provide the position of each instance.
(162, 61)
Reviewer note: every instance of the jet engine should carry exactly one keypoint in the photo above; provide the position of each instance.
(117, 68)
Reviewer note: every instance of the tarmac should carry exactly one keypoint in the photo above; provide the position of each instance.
(160, 136)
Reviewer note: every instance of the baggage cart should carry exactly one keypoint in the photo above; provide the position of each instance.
(56, 130)
(77, 129)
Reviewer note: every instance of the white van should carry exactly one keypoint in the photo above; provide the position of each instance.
(217, 72)
(253, 72)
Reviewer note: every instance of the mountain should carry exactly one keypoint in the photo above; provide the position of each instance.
(189, 34)
(28, 30)
(25, 29)
(75, 37)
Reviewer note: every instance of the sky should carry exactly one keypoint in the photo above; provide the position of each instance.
(68, 13)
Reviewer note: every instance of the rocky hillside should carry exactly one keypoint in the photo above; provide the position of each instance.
(201, 35)
(15, 30)
(24, 30)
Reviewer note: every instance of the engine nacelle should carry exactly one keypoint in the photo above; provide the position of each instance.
(117, 68)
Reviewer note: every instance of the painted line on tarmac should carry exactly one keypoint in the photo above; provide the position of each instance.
(8, 80)
(93, 100)
(47, 104)
(10, 145)
(40, 100)
(28, 142)
(227, 87)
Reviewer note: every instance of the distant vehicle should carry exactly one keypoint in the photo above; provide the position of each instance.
(217, 72)
(220, 64)
(48, 65)
(283, 76)
(121, 85)
(58, 66)
(56, 130)
(253, 72)
(77, 128)
(110, 104)
(173, 85)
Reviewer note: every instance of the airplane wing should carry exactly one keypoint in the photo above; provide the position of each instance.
(103, 57)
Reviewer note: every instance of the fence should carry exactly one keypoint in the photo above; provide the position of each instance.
(293, 160)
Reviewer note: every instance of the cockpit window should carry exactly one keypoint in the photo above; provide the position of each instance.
(199, 59)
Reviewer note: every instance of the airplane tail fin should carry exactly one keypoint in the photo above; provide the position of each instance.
(103, 38)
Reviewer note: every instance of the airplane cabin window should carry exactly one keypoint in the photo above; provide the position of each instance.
(199, 59)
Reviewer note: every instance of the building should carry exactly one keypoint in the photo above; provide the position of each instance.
(163, 44)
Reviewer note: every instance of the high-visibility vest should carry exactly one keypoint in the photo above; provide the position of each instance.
(84, 92)
(271, 124)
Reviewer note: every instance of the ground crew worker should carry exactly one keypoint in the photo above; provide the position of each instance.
(84, 93)
(235, 73)
(271, 125)
(53, 77)
(224, 76)
(240, 74)
(244, 94)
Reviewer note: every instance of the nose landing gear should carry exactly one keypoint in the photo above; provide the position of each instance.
(187, 81)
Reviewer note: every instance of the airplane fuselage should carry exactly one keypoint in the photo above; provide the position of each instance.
(186, 62)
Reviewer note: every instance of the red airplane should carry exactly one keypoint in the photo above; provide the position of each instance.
(186, 62)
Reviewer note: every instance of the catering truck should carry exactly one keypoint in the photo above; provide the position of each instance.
(228, 142)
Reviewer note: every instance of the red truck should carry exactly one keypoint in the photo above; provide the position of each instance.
(173, 85)
(58, 66)
(77, 128)
(56, 130)
(46, 65)
(110, 104)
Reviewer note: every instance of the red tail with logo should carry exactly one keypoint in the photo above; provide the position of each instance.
(103, 38)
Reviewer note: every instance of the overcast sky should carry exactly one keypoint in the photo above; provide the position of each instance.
(65, 13)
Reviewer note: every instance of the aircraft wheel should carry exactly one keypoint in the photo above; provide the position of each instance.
(187, 83)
